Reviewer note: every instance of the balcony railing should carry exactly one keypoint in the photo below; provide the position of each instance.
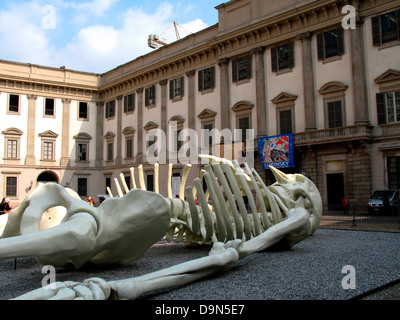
(356, 132)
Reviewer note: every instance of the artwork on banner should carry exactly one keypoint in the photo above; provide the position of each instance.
(276, 151)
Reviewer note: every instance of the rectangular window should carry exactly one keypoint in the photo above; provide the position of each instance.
(49, 107)
(282, 57)
(393, 164)
(110, 151)
(110, 109)
(129, 148)
(129, 103)
(285, 121)
(150, 182)
(12, 149)
(244, 124)
(241, 68)
(128, 182)
(83, 110)
(176, 88)
(82, 187)
(150, 96)
(82, 152)
(47, 150)
(330, 43)
(13, 104)
(335, 117)
(108, 183)
(386, 28)
(207, 134)
(11, 186)
(206, 78)
(388, 107)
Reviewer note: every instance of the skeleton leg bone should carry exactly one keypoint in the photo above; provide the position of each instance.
(222, 257)
(77, 234)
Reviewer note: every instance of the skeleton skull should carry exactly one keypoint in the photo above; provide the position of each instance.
(297, 190)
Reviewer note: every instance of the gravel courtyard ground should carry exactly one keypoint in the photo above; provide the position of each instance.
(312, 270)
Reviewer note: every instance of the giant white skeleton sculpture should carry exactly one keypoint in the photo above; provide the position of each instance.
(121, 229)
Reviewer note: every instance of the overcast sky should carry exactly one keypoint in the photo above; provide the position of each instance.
(94, 35)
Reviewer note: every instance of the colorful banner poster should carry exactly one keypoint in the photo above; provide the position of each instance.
(276, 151)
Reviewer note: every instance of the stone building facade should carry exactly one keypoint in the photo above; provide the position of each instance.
(276, 67)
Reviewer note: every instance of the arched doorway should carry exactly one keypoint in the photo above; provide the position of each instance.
(47, 176)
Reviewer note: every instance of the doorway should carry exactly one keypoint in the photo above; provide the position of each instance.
(335, 190)
(47, 176)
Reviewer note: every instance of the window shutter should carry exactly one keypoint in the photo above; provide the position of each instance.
(249, 67)
(381, 107)
(376, 30)
(146, 96)
(125, 104)
(171, 89)
(340, 43)
(398, 24)
(274, 59)
(234, 70)
(320, 46)
(182, 83)
(200, 79)
(213, 77)
(291, 54)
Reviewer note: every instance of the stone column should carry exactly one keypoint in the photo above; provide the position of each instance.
(308, 80)
(225, 95)
(65, 133)
(31, 134)
(99, 134)
(139, 154)
(261, 99)
(191, 99)
(359, 73)
(164, 120)
(118, 158)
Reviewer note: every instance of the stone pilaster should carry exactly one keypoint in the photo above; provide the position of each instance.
(139, 154)
(65, 132)
(30, 152)
(261, 99)
(359, 73)
(118, 158)
(308, 81)
(225, 94)
(191, 99)
(99, 134)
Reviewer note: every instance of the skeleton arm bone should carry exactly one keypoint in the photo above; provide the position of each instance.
(298, 219)
(220, 260)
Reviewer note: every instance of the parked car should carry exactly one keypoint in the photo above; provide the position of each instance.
(384, 202)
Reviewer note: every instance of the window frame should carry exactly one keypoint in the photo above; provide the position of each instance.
(376, 25)
(382, 107)
(12, 134)
(79, 111)
(174, 85)
(13, 112)
(150, 96)
(45, 108)
(275, 59)
(237, 70)
(110, 109)
(129, 108)
(322, 45)
(202, 87)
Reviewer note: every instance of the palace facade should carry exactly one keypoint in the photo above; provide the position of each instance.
(276, 67)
